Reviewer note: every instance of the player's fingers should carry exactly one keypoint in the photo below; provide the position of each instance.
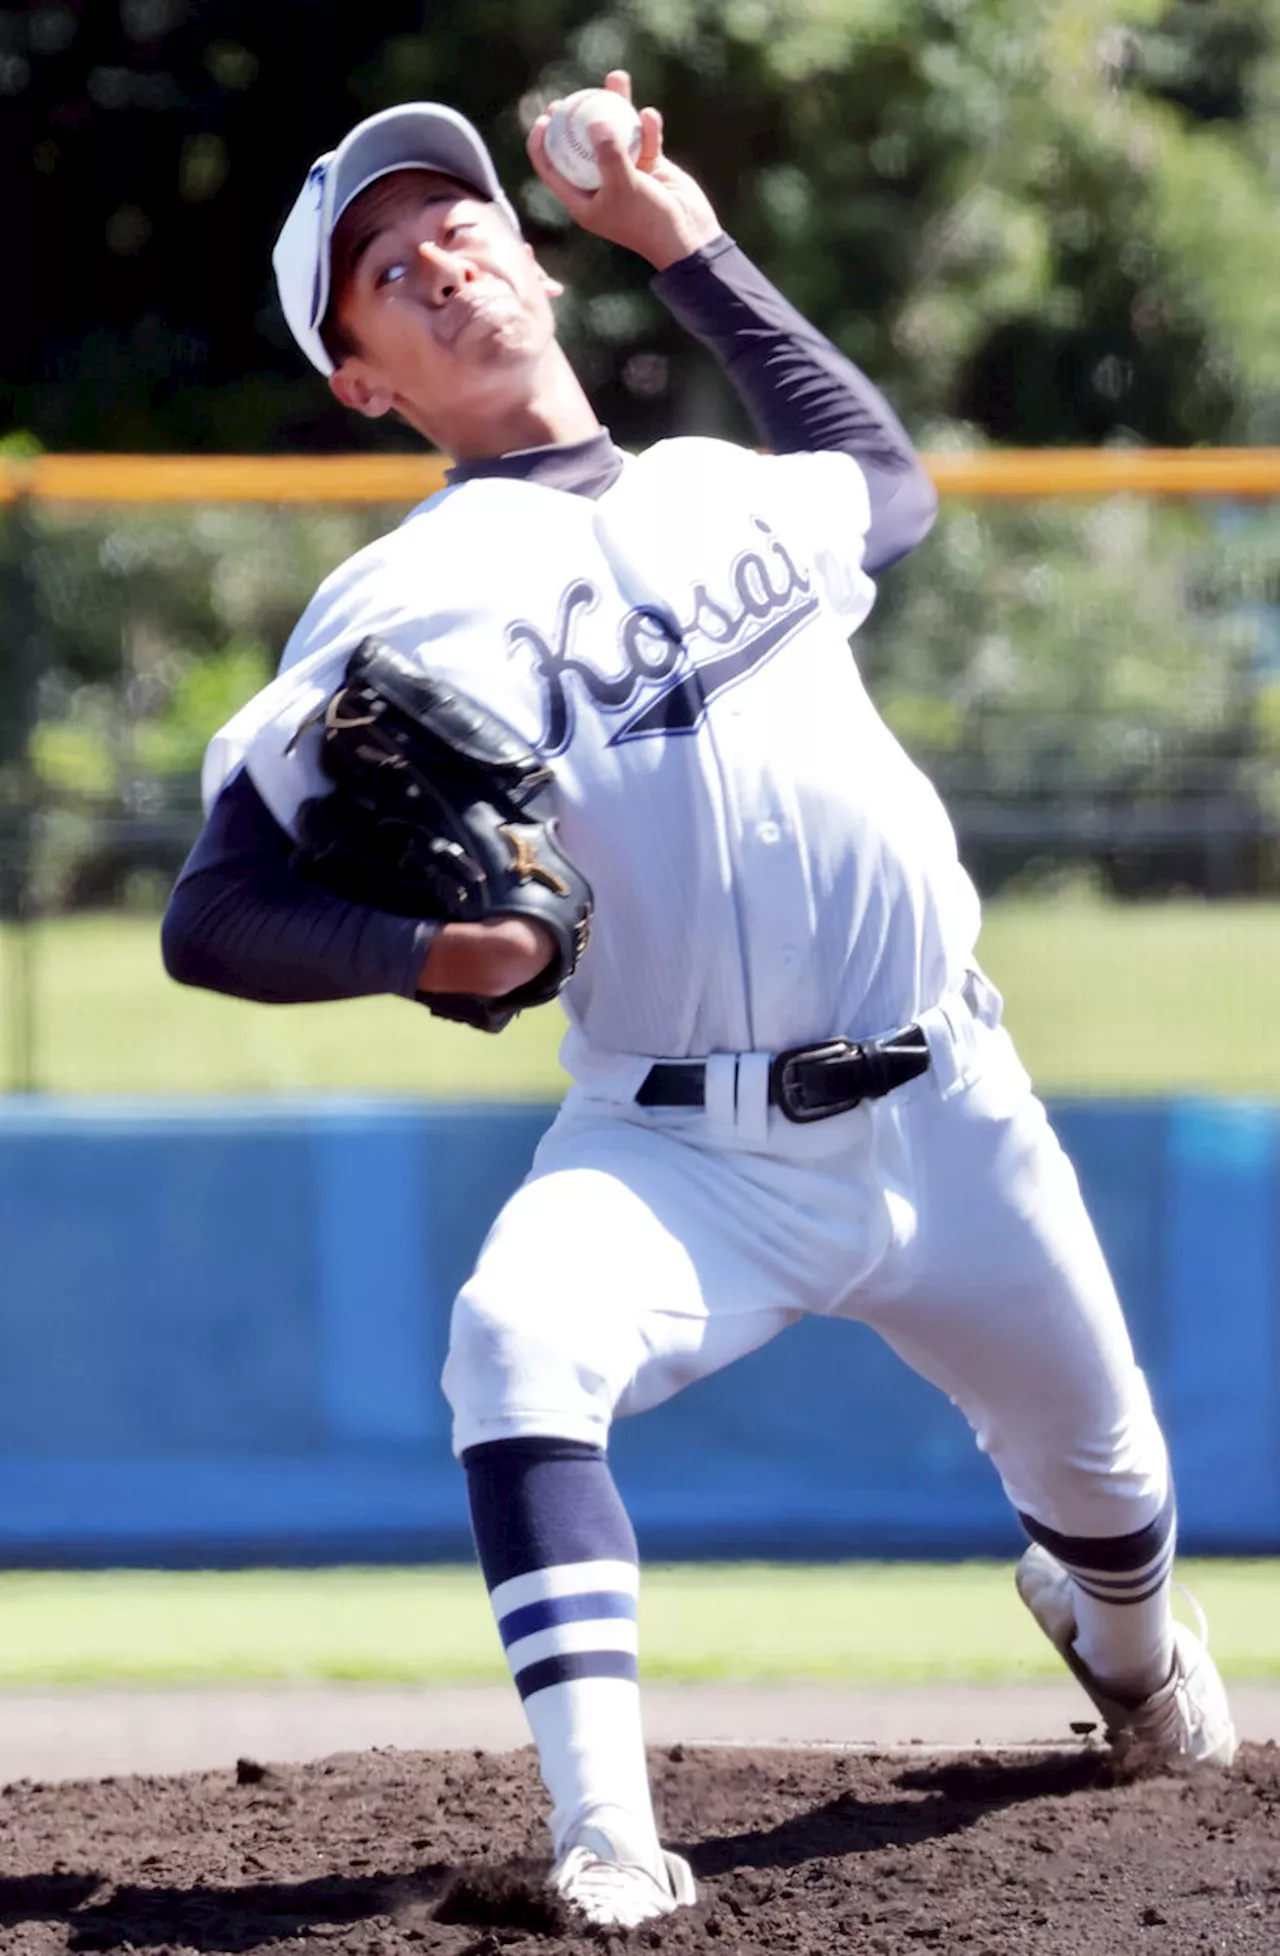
(650, 139)
(539, 127)
(619, 82)
(613, 156)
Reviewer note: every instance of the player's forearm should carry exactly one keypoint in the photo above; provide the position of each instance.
(262, 944)
(802, 393)
(241, 921)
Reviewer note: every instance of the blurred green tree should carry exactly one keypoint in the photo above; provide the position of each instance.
(1047, 219)
(1034, 221)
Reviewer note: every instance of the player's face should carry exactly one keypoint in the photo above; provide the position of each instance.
(444, 305)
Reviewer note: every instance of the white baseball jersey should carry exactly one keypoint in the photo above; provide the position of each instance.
(769, 867)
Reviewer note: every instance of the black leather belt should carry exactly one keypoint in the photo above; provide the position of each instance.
(808, 1083)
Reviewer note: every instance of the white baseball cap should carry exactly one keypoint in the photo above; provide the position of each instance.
(425, 135)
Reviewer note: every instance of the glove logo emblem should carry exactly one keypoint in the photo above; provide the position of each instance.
(525, 866)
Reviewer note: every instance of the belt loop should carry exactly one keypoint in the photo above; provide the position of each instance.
(721, 1101)
(939, 1038)
(949, 1030)
(753, 1097)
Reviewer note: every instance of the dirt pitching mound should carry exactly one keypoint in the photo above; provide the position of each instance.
(389, 1852)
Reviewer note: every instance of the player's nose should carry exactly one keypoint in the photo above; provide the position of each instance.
(443, 270)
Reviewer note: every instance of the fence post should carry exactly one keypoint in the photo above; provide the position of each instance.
(18, 797)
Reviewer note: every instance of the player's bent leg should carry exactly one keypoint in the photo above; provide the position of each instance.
(559, 1558)
(1004, 1300)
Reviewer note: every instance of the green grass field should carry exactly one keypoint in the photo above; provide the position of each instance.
(851, 1622)
(1102, 999)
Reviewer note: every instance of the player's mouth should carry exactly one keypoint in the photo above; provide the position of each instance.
(488, 308)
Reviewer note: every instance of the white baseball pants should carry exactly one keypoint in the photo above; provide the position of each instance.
(649, 1247)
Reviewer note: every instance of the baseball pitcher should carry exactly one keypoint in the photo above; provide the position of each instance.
(588, 724)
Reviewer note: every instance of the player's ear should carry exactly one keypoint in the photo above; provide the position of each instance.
(551, 286)
(353, 387)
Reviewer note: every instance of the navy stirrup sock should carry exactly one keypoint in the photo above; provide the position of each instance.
(559, 1557)
(535, 1503)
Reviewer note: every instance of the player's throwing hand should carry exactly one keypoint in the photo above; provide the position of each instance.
(650, 205)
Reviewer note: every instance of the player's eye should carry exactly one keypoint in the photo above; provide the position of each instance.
(392, 274)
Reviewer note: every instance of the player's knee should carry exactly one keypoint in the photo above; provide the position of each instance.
(1110, 1483)
(506, 1378)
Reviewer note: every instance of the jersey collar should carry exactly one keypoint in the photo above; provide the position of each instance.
(582, 468)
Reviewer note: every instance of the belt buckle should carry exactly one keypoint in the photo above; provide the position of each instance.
(786, 1089)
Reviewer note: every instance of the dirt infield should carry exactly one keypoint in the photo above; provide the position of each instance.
(388, 1852)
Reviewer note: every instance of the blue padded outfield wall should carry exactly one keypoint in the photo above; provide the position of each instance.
(209, 1352)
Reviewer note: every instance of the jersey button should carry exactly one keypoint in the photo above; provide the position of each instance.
(769, 832)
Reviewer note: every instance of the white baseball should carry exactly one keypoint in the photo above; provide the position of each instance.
(569, 144)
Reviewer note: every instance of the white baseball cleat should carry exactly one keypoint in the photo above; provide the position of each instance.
(617, 1876)
(1187, 1719)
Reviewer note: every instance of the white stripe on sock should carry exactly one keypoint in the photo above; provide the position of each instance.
(565, 1579)
(613, 1633)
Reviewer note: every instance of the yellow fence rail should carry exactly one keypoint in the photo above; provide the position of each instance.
(408, 478)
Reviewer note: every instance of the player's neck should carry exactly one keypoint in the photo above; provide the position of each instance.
(545, 408)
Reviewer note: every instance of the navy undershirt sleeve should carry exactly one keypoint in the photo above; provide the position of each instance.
(242, 920)
(800, 391)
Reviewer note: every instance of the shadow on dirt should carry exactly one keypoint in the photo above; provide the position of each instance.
(957, 1795)
(210, 1919)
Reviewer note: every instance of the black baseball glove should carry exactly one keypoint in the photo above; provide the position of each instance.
(440, 810)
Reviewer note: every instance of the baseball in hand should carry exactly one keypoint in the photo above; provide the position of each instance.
(569, 145)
